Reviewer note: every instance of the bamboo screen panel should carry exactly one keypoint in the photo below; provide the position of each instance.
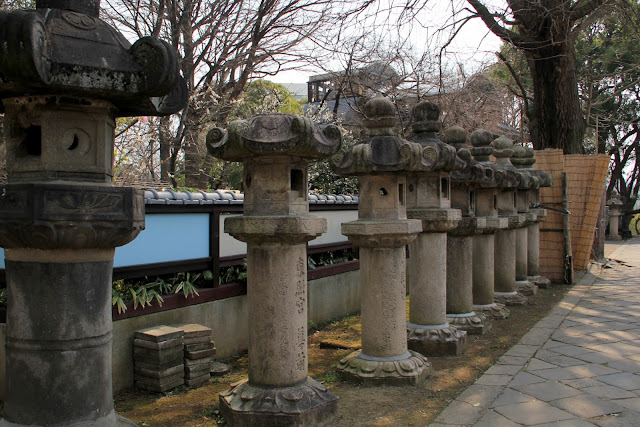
(551, 236)
(585, 182)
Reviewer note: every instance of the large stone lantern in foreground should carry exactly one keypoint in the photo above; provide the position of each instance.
(275, 150)
(65, 76)
(382, 231)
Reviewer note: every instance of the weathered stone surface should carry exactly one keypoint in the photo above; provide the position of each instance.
(459, 276)
(429, 200)
(219, 368)
(203, 340)
(158, 382)
(197, 381)
(159, 386)
(386, 200)
(194, 355)
(408, 369)
(199, 369)
(153, 373)
(65, 76)
(436, 220)
(614, 203)
(69, 216)
(149, 352)
(427, 277)
(275, 229)
(192, 330)
(540, 281)
(42, 58)
(272, 134)
(425, 128)
(492, 311)
(382, 231)
(483, 269)
(200, 346)
(275, 149)
(473, 323)
(505, 261)
(158, 345)
(159, 360)
(160, 335)
(386, 233)
(428, 190)
(307, 404)
(156, 366)
(383, 151)
(509, 298)
(521, 255)
(439, 340)
(494, 224)
(481, 139)
(193, 363)
(526, 288)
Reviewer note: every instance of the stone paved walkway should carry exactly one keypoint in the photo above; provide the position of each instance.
(579, 366)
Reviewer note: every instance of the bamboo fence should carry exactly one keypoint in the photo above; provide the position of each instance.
(585, 176)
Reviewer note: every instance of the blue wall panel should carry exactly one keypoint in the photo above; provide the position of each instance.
(167, 237)
(1, 258)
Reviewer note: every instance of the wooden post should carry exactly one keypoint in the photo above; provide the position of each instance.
(568, 258)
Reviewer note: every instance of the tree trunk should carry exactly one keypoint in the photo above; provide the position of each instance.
(194, 154)
(164, 139)
(557, 120)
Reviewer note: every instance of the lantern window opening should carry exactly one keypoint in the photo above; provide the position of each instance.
(444, 188)
(31, 145)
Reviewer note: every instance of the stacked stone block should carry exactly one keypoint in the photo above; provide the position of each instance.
(157, 357)
(199, 350)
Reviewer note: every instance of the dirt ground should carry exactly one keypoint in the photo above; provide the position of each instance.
(358, 405)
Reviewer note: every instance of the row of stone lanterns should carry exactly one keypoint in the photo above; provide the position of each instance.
(64, 78)
(445, 201)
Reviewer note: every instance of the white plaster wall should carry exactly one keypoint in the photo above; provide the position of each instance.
(329, 298)
(230, 246)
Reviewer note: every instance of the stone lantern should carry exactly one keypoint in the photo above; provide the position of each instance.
(528, 182)
(505, 240)
(614, 203)
(528, 191)
(276, 225)
(429, 200)
(484, 243)
(65, 76)
(382, 231)
(460, 310)
(525, 160)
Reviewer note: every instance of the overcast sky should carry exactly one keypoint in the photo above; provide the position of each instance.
(474, 45)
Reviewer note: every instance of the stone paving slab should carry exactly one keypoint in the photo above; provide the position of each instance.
(579, 366)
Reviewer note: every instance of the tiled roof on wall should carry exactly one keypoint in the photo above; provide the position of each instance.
(228, 197)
